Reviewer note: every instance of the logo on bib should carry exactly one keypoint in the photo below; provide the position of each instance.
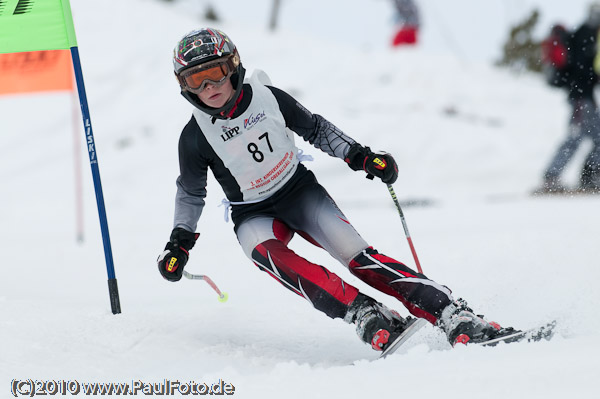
(230, 133)
(254, 119)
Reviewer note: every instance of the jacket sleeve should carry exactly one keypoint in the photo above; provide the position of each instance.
(313, 128)
(191, 183)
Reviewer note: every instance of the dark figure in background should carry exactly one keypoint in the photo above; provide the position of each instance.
(580, 79)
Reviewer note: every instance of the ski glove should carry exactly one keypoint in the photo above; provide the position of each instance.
(381, 165)
(177, 251)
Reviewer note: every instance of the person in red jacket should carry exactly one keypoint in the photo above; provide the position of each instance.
(579, 77)
(408, 22)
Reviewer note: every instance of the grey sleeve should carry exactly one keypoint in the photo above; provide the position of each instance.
(329, 138)
(188, 207)
(191, 183)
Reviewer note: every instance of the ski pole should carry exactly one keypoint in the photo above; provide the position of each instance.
(222, 295)
(410, 243)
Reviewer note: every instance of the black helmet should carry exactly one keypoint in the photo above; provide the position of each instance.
(203, 46)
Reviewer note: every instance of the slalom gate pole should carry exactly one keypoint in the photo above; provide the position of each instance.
(113, 290)
(410, 243)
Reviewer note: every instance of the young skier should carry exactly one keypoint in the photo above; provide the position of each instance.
(243, 132)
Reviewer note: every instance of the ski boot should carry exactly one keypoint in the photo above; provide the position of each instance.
(462, 326)
(376, 325)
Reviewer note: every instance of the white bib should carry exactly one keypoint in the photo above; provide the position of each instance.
(256, 147)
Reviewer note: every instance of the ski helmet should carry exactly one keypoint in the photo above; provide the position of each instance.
(208, 46)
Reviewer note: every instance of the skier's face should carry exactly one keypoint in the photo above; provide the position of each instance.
(217, 96)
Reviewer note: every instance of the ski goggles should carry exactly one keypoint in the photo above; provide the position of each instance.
(215, 73)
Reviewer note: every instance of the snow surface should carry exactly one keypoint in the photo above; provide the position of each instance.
(471, 139)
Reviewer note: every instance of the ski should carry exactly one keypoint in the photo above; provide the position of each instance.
(545, 331)
(413, 326)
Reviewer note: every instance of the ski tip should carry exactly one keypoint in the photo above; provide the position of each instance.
(542, 332)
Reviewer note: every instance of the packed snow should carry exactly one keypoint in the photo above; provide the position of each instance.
(471, 141)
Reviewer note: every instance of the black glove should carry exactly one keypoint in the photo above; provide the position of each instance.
(381, 165)
(177, 251)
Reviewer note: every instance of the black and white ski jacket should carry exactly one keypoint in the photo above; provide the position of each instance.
(252, 155)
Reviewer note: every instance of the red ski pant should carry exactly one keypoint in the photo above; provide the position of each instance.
(313, 215)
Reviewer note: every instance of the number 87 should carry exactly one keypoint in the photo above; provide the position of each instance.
(253, 148)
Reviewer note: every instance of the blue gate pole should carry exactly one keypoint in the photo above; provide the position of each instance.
(91, 147)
